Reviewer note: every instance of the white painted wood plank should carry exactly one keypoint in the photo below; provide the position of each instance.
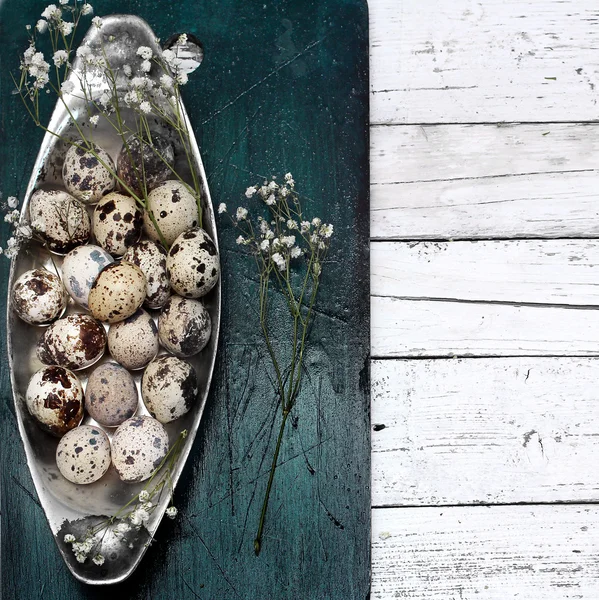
(527, 271)
(486, 553)
(407, 328)
(477, 181)
(485, 431)
(498, 60)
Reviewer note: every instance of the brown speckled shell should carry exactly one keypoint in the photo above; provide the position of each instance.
(75, 342)
(59, 219)
(150, 257)
(192, 265)
(84, 176)
(134, 342)
(117, 293)
(184, 326)
(39, 297)
(174, 208)
(169, 388)
(54, 398)
(117, 223)
(131, 158)
(138, 447)
(83, 454)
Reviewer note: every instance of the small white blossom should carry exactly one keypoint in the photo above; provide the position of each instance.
(97, 21)
(146, 66)
(24, 231)
(288, 240)
(52, 12)
(326, 231)
(305, 226)
(271, 200)
(12, 217)
(241, 213)
(87, 9)
(222, 207)
(145, 107)
(28, 27)
(166, 81)
(316, 222)
(12, 201)
(69, 538)
(284, 192)
(171, 512)
(83, 52)
(42, 26)
(250, 191)
(288, 177)
(80, 556)
(182, 78)
(272, 185)
(144, 496)
(264, 191)
(295, 252)
(67, 87)
(127, 70)
(64, 1)
(98, 560)
(182, 39)
(60, 57)
(105, 99)
(240, 240)
(276, 243)
(135, 519)
(264, 226)
(265, 245)
(280, 261)
(66, 27)
(291, 224)
(145, 52)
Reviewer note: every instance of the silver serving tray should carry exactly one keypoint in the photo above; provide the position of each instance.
(71, 508)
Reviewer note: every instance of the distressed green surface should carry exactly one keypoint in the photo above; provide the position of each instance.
(283, 88)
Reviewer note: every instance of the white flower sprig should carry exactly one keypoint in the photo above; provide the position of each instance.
(283, 242)
(134, 515)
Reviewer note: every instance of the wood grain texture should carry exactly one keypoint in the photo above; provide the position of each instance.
(485, 431)
(486, 553)
(481, 181)
(250, 122)
(469, 62)
(515, 271)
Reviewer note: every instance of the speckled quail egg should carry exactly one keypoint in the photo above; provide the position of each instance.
(83, 454)
(39, 297)
(117, 223)
(80, 268)
(111, 395)
(174, 208)
(150, 257)
(156, 158)
(75, 342)
(192, 265)
(134, 342)
(54, 398)
(59, 219)
(84, 175)
(169, 388)
(138, 447)
(119, 290)
(184, 326)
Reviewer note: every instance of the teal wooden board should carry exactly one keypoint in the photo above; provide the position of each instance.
(283, 87)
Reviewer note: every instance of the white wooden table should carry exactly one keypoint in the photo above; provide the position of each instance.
(485, 289)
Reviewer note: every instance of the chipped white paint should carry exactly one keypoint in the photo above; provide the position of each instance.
(468, 61)
(485, 431)
(486, 553)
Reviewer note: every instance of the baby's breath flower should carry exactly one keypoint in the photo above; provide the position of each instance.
(271, 200)
(81, 557)
(291, 224)
(146, 66)
(12, 201)
(241, 213)
(280, 261)
(265, 245)
(305, 226)
(42, 26)
(288, 240)
(69, 538)
(284, 192)
(60, 57)
(123, 527)
(12, 217)
(97, 22)
(240, 240)
(182, 78)
(288, 177)
(171, 512)
(98, 560)
(24, 232)
(144, 496)
(272, 185)
(105, 99)
(64, 1)
(222, 208)
(295, 252)
(264, 191)
(326, 231)
(145, 52)
(84, 51)
(250, 191)
(145, 107)
(28, 27)
(67, 87)
(182, 39)
(66, 27)
(52, 12)
(316, 222)
(87, 9)
(166, 81)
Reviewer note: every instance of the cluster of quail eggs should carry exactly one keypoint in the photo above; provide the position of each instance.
(128, 297)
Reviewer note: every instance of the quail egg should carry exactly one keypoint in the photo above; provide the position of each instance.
(75, 342)
(80, 268)
(134, 342)
(83, 454)
(39, 297)
(111, 395)
(174, 208)
(117, 223)
(84, 175)
(54, 398)
(138, 447)
(192, 265)
(150, 257)
(184, 326)
(59, 219)
(140, 162)
(119, 290)
(169, 388)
